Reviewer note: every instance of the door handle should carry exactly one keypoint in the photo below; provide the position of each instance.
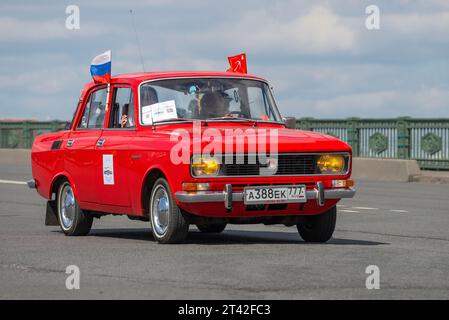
(101, 142)
(70, 142)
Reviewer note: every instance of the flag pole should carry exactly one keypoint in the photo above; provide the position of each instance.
(137, 40)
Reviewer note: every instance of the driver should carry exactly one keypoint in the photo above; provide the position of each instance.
(213, 105)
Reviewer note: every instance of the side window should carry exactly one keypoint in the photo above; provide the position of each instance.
(122, 110)
(234, 99)
(94, 112)
(258, 104)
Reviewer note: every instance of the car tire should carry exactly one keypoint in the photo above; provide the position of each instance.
(72, 220)
(318, 228)
(211, 228)
(168, 223)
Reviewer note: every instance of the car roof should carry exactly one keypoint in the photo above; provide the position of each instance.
(137, 77)
(142, 76)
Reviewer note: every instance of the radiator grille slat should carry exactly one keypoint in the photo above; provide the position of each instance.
(288, 164)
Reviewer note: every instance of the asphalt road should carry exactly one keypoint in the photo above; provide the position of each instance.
(400, 227)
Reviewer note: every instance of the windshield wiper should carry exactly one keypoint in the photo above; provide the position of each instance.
(231, 118)
(253, 121)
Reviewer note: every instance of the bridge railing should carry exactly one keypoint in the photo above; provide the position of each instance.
(20, 134)
(426, 140)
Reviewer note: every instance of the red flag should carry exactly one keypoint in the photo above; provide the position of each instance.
(238, 63)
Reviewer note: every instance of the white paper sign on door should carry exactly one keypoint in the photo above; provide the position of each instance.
(108, 169)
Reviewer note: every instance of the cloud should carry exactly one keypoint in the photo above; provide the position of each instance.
(419, 26)
(404, 37)
(319, 31)
(427, 102)
(20, 30)
(266, 30)
(12, 29)
(44, 81)
(319, 56)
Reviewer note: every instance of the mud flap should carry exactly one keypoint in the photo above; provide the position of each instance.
(51, 217)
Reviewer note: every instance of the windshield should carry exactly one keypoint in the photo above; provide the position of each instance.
(206, 98)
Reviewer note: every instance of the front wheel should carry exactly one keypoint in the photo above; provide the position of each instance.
(168, 223)
(72, 220)
(318, 228)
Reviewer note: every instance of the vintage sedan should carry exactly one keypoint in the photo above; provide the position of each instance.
(189, 148)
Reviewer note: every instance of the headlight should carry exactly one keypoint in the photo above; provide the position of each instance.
(331, 164)
(205, 166)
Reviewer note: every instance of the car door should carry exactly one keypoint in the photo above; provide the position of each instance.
(82, 157)
(114, 149)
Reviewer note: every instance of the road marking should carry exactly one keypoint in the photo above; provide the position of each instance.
(399, 211)
(341, 206)
(364, 208)
(13, 182)
(349, 211)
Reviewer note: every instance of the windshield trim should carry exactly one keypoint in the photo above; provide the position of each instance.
(276, 110)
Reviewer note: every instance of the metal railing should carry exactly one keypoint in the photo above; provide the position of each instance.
(20, 134)
(426, 140)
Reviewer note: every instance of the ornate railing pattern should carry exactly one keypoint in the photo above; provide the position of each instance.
(426, 140)
(378, 143)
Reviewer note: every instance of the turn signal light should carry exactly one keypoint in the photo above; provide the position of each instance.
(193, 187)
(342, 183)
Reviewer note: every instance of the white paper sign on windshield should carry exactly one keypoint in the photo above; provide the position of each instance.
(146, 115)
(159, 112)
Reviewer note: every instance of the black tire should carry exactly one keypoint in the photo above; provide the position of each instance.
(211, 228)
(176, 226)
(81, 223)
(318, 228)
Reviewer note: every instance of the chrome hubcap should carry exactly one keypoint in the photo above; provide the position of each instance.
(160, 210)
(67, 207)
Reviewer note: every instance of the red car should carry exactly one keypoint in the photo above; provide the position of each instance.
(181, 148)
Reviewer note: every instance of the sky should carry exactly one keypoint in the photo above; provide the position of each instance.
(319, 56)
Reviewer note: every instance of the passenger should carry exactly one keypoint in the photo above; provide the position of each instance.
(127, 119)
(148, 96)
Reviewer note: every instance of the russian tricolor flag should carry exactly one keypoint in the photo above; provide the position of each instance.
(100, 67)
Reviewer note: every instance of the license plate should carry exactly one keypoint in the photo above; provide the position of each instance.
(274, 194)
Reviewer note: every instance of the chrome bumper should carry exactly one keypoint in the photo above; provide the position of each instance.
(228, 197)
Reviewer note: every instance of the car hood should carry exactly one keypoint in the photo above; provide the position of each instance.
(288, 140)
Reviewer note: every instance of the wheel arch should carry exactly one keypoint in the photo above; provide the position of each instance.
(57, 181)
(151, 177)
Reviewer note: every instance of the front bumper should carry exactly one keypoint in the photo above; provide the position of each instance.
(228, 196)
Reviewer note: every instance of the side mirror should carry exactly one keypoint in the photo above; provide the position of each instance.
(290, 122)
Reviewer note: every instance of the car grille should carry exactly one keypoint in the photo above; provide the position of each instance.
(288, 164)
